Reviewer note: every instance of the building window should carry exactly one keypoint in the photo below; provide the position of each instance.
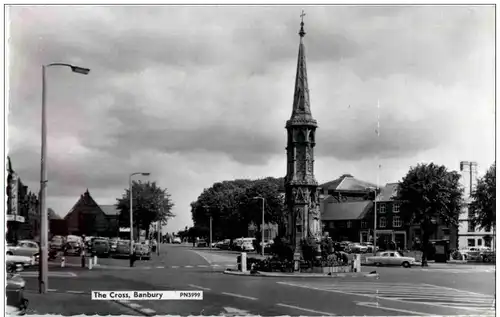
(364, 224)
(381, 208)
(331, 224)
(395, 208)
(396, 221)
(349, 224)
(479, 242)
(471, 242)
(471, 227)
(382, 222)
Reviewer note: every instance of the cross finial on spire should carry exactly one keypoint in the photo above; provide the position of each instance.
(302, 32)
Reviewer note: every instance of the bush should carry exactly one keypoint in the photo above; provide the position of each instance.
(282, 249)
(309, 247)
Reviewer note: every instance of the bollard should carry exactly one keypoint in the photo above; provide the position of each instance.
(63, 261)
(357, 263)
(95, 260)
(90, 263)
(243, 262)
(83, 261)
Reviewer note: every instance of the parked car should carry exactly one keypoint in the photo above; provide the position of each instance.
(14, 289)
(390, 258)
(72, 248)
(247, 246)
(25, 261)
(224, 245)
(57, 243)
(113, 243)
(202, 243)
(24, 247)
(100, 248)
(177, 240)
(357, 248)
(122, 249)
(142, 251)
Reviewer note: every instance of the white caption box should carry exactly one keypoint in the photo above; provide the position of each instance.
(147, 295)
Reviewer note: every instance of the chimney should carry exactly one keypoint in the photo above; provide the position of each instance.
(466, 179)
(473, 176)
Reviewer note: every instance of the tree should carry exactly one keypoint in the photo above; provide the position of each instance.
(482, 207)
(233, 207)
(150, 203)
(429, 194)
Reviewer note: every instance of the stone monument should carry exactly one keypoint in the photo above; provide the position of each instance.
(301, 187)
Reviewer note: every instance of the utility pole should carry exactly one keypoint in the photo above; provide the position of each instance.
(210, 232)
(158, 237)
(378, 183)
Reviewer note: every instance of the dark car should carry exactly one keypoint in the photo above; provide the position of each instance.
(72, 248)
(57, 243)
(100, 248)
(122, 249)
(202, 243)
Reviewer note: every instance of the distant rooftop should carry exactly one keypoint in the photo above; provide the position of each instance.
(347, 182)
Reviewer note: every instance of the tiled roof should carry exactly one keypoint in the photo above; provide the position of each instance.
(347, 182)
(110, 210)
(388, 192)
(346, 211)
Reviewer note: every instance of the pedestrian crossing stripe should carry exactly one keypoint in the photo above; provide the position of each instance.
(425, 294)
(460, 271)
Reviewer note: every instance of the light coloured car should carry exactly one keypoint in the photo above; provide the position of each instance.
(357, 248)
(390, 258)
(25, 248)
(247, 246)
(177, 240)
(25, 261)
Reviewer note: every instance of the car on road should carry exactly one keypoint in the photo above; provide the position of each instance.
(202, 243)
(122, 249)
(390, 258)
(112, 245)
(100, 248)
(72, 248)
(24, 247)
(177, 240)
(25, 261)
(224, 245)
(247, 246)
(357, 248)
(142, 251)
(57, 243)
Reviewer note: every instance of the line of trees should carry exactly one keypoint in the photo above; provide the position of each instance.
(233, 207)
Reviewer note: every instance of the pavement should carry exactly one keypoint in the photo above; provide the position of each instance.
(461, 290)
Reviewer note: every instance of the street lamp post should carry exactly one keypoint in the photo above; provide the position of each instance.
(44, 226)
(131, 252)
(374, 219)
(263, 223)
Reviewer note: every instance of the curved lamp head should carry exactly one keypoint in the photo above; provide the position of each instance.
(80, 70)
(145, 174)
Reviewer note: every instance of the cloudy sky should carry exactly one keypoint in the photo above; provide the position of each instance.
(196, 95)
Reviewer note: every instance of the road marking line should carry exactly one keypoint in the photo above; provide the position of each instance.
(202, 265)
(200, 287)
(306, 309)
(148, 311)
(160, 267)
(235, 312)
(175, 267)
(373, 295)
(51, 290)
(376, 305)
(75, 292)
(457, 290)
(215, 265)
(240, 296)
(134, 305)
(229, 265)
(188, 266)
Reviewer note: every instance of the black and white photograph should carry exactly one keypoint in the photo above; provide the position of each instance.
(250, 159)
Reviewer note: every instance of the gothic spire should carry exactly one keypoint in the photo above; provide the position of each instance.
(301, 107)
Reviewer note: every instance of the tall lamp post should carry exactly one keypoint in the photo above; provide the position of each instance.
(263, 223)
(44, 226)
(131, 254)
(374, 190)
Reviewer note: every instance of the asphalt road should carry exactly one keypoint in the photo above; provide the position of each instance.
(459, 290)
